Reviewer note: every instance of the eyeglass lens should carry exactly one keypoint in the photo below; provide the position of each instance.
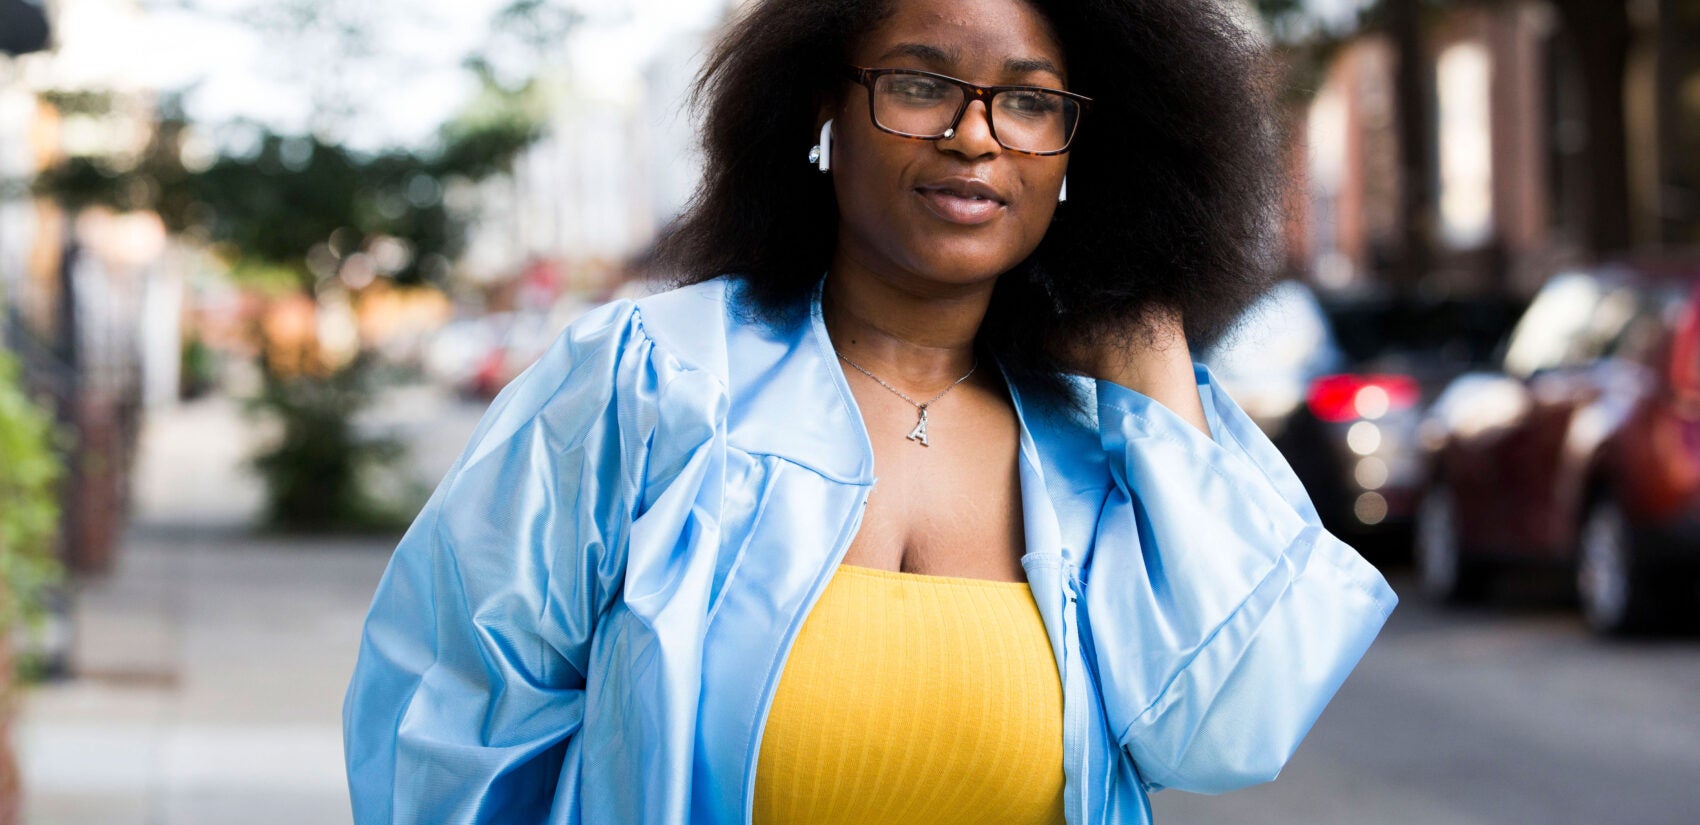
(1023, 120)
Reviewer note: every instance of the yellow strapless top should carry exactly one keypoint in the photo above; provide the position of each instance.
(915, 699)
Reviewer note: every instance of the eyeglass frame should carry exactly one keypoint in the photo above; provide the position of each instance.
(971, 92)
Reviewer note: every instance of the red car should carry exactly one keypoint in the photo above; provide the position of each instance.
(1583, 451)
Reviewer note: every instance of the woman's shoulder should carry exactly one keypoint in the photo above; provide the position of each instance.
(629, 353)
(691, 322)
(716, 323)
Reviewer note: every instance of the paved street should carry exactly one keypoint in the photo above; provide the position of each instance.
(212, 669)
(1510, 715)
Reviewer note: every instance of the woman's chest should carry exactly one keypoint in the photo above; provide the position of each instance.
(951, 506)
(714, 601)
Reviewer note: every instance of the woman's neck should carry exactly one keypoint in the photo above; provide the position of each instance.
(918, 336)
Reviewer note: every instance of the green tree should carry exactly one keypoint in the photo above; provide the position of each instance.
(296, 206)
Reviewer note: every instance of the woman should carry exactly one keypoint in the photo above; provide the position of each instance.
(955, 532)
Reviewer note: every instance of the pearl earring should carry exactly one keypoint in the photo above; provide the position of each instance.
(1062, 194)
(821, 153)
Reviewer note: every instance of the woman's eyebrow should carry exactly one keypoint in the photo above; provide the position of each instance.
(921, 51)
(937, 57)
(1026, 65)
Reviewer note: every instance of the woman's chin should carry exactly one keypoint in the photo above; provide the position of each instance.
(948, 263)
(963, 267)
(954, 276)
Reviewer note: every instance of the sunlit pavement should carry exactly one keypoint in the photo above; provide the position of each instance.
(210, 667)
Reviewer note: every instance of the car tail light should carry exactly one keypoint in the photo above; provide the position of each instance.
(1685, 353)
(1350, 397)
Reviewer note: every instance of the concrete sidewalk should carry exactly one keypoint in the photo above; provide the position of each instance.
(210, 667)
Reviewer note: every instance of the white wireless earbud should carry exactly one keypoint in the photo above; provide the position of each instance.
(827, 147)
(1062, 194)
(821, 153)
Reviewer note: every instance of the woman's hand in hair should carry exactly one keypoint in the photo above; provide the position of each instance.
(1151, 358)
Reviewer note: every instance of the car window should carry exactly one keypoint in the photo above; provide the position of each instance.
(1456, 331)
(1283, 332)
(1578, 319)
(1643, 334)
(1560, 328)
(1640, 339)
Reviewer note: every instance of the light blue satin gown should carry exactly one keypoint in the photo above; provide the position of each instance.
(588, 620)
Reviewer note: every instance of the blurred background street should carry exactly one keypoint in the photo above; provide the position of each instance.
(264, 262)
(211, 666)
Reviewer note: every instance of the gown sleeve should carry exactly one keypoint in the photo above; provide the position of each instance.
(470, 680)
(1236, 615)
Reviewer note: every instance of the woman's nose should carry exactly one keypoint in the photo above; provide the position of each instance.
(972, 135)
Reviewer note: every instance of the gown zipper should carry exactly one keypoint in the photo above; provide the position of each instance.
(815, 591)
(1074, 703)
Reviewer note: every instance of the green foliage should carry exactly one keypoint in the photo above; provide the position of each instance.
(153, 180)
(480, 148)
(85, 181)
(295, 192)
(29, 504)
(79, 101)
(197, 367)
(285, 214)
(321, 472)
(271, 206)
(495, 127)
(266, 278)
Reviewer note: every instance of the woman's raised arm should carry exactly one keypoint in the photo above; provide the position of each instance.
(1225, 617)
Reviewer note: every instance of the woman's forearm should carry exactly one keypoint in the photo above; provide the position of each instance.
(1161, 371)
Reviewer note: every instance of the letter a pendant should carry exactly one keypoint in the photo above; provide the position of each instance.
(920, 431)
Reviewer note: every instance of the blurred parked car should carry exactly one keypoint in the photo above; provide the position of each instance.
(1340, 388)
(1583, 450)
(479, 355)
(455, 354)
(525, 337)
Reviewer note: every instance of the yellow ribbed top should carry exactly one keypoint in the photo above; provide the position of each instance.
(915, 699)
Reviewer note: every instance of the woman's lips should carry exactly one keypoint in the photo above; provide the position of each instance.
(960, 208)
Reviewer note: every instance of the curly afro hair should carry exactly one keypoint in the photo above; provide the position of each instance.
(1173, 179)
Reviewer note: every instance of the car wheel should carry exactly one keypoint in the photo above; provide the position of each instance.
(1444, 572)
(1616, 597)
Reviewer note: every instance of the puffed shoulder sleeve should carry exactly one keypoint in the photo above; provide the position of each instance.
(469, 685)
(1235, 615)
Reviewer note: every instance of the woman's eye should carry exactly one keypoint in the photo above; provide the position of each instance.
(918, 89)
(1030, 103)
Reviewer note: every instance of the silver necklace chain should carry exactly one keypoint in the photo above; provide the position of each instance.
(919, 433)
